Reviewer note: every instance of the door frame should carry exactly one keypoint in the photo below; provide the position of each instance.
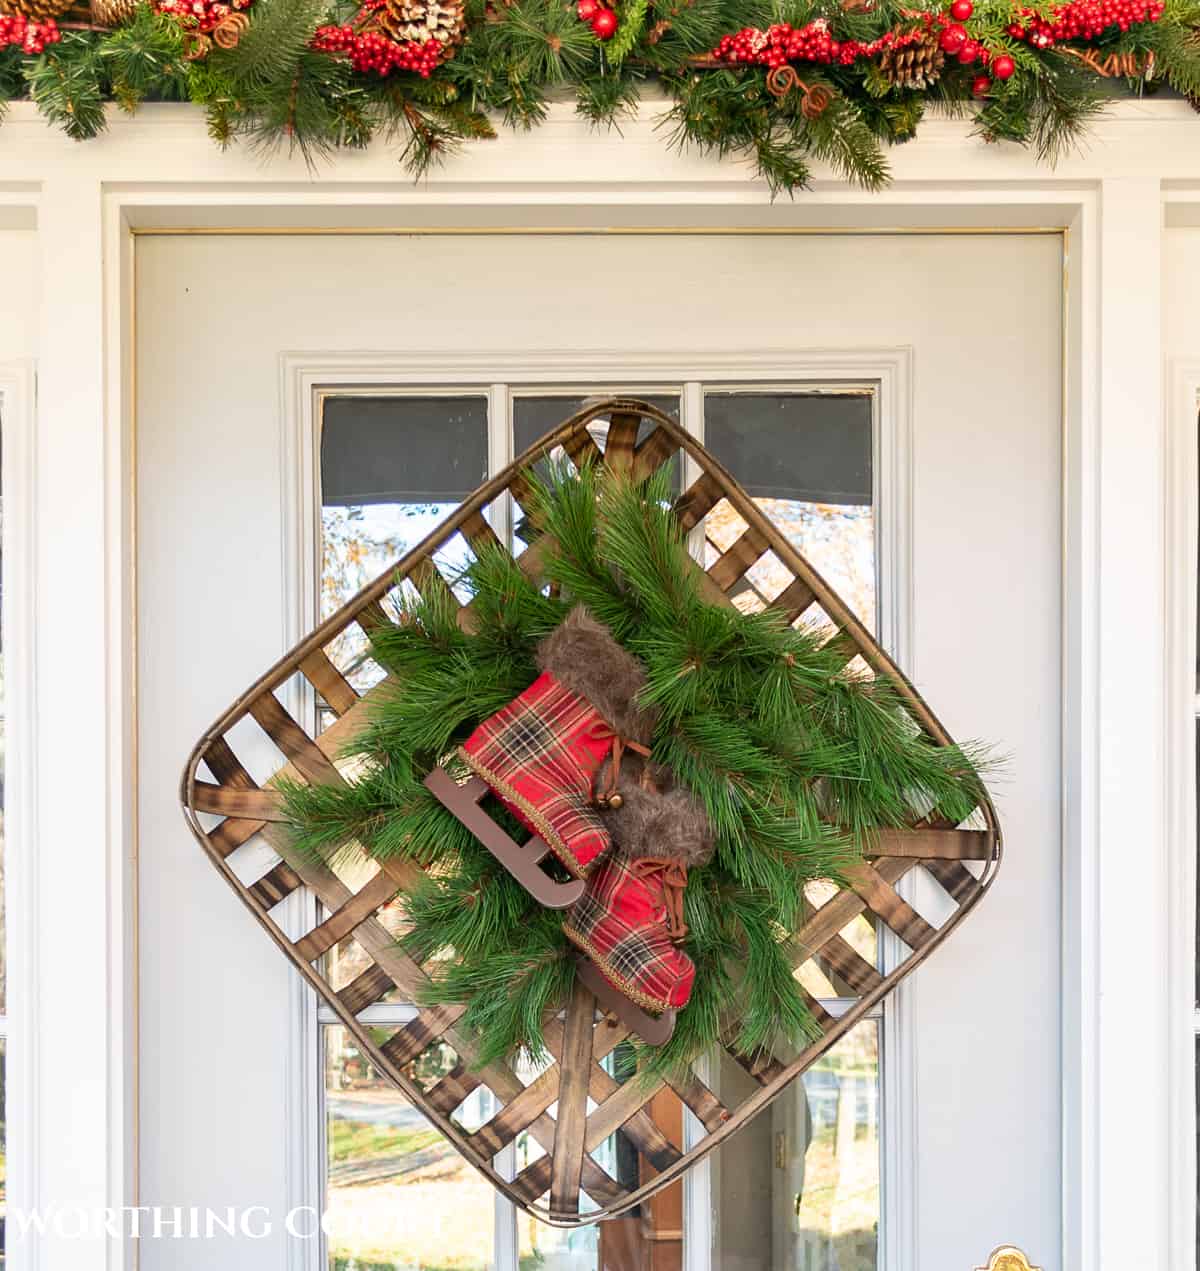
(159, 170)
(21, 866)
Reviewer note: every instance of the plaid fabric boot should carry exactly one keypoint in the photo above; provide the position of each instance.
(630, 920)
(542, 752)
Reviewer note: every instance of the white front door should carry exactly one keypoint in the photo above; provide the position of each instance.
(308, 405)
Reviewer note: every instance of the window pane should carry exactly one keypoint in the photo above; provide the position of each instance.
(799, 1186)
(806, 459)
(398, 1196)
(392, 468)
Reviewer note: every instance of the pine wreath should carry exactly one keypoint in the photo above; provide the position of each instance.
(797, 761)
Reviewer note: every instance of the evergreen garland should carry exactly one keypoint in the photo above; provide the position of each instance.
(797, 758)
(282, 86)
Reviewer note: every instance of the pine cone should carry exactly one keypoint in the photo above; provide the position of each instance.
(36, 10)
(422, 20)
(915, 65)
(112, 12)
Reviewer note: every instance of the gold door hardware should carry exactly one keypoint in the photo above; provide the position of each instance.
(1008, 1258)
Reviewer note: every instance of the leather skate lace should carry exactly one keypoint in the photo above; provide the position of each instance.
(670, 874)
(602, 730)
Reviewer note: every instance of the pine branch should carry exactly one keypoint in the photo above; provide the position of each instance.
(65, 81)
(629, 32)
(12, 79)
(268, 56)
(144, 58)
(841, 137)
(606, 99)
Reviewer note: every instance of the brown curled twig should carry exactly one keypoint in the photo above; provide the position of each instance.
(816, 98)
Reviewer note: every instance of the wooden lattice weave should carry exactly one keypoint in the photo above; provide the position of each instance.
(227, 809)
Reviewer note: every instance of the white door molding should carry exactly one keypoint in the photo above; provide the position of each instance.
(17, 416)
(1182, 526)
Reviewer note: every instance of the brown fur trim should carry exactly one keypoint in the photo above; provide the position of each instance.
(582, 655)
(670, 824)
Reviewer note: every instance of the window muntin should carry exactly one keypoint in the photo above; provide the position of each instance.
(776, 441)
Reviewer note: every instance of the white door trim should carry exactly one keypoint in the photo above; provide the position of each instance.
(18, 412)
(1183, 523)
(303, 375)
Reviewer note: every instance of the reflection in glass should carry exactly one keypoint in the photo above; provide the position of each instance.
(806, 459)
(399, 1197)
(799, 1186)
(392, 469)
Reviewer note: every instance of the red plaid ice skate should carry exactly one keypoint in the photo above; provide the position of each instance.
(629, 922)
(540, 754)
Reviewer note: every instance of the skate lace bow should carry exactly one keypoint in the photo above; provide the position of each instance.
(601, 730)
(671, 876)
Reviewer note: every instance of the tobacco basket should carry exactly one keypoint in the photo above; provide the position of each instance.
(226, 809)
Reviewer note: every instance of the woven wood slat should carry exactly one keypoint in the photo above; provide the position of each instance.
(640, 1129)
(361, 906)
(355, 912)
(697, 501)
(479, 533)
(742, 555)
(935, 844)
(883, 900)
(419, 1034)
(575, 1065)
(366, 989)
(371, 617)
(274, 886)
(858, 973)
(454, 1089)
(840, 912)
(332, 686)
(960, 884)
(620, 442)
(534, 1181)
(232, 833)
(262, 805)
(705, 1106)
(496, 1134)
(293, 741)
(656, 450)
(793, 600)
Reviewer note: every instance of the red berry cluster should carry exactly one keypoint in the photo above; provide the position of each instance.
(1082, 20)
(373, 51)
(201, 15)
(32, 37)
(599, 17)
(783, 43)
